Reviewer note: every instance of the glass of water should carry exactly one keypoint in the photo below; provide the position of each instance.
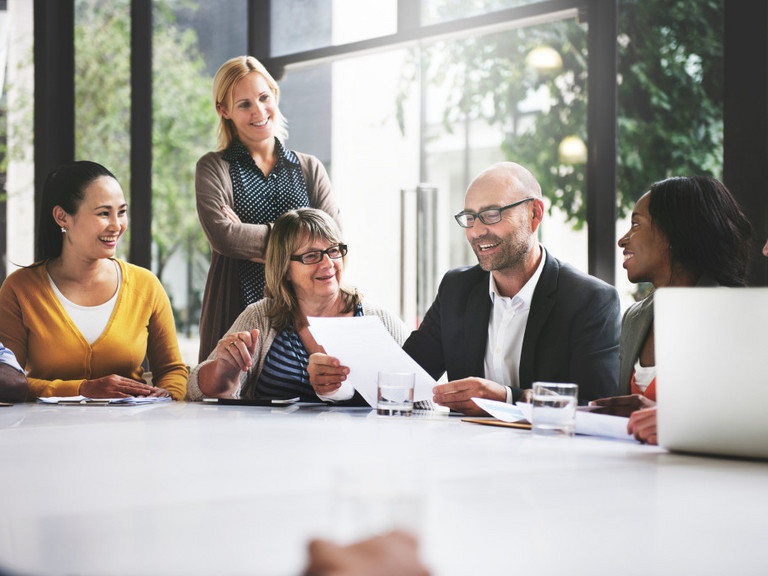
(395, 393)
(554, 408)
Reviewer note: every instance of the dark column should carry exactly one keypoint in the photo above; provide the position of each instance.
(54, 29)
(601, 133)
(259, 23)
(745, 147)
(141, 133)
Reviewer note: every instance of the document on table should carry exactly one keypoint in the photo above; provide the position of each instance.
(587, 423)
(364, 345)
(83, 401)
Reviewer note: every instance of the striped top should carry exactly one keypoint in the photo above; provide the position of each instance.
(284, 374)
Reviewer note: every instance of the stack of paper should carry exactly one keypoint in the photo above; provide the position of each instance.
(588, 423)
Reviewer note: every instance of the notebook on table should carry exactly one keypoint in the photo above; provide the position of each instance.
(711, 348)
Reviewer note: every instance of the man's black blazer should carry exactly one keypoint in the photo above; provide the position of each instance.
(572, 334)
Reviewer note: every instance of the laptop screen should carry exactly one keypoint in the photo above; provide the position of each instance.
(711, 349)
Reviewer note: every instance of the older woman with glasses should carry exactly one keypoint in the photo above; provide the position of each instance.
(265, 353)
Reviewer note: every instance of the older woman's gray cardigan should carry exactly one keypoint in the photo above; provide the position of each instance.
(255, 317)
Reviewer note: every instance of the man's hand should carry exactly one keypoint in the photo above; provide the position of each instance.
(457, 395)
(622, 405)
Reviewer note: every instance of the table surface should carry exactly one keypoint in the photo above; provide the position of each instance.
(204, 489)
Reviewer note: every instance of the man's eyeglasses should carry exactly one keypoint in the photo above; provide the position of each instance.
(466, 219)
(314, 256)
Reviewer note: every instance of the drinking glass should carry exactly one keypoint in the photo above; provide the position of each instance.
(554, 408)
(395, 393)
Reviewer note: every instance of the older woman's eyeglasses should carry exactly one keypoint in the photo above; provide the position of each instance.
(314, 256)
(466, 219)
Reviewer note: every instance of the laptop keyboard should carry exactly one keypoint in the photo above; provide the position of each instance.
(429, 406)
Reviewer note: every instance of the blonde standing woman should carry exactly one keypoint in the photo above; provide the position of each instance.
(242, 187)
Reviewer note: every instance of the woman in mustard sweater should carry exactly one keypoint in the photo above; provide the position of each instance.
(79, 320)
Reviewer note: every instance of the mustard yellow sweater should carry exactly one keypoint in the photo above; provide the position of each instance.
(35, 326)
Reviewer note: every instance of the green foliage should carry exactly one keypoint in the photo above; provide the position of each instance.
(103, 89)
(670, 92)
(103, 85)
(670, 88)
(487, 78)
(183, 129)
(183, 119)
(16, 137)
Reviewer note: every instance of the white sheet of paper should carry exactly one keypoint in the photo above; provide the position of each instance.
(128, 400)
(364, 345)
(57, 399)
(587, 423)
(500, 410)
(594, 424)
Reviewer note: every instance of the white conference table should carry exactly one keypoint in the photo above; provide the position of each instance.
(203, 489)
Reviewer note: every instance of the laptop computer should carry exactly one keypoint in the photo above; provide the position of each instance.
(712, 370)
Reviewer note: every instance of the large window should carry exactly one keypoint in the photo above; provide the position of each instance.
(401, 123)
(520, 96)
(301, 25)
(190, 41)
(17, 176)
(369, 157)
(103, 89)
(403, 132)
(434, 11)
(670, 113)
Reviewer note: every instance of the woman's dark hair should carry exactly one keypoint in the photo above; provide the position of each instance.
(706, 229)
(64, 187)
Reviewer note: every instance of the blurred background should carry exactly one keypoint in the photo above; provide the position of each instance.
(404, 102)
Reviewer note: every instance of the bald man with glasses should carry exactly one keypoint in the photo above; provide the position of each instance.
(518, 316)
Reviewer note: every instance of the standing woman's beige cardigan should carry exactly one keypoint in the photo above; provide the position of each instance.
(231, 242)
